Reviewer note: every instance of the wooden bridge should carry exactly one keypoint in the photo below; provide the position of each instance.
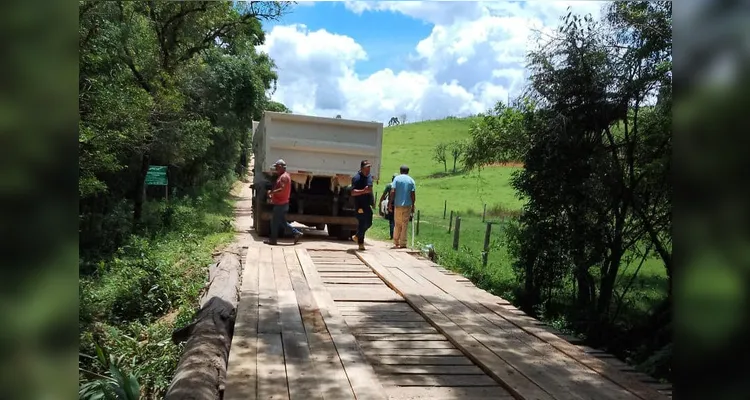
(384, 324)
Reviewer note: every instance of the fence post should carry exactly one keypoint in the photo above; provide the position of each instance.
(484, 213)
(486, 251)
(450, 222)
(445, 208)
(456, 233)
(417, 233)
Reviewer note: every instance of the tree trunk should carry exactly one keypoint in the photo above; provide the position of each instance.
(529, 287)
(140, 188)
(454, 165)
(585, 287)
(609, 276)
(445, 165)
(201, 371)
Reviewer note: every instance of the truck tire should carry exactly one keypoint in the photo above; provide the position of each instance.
(349, 234)
(320, 227)
(264, 228)
(344, 234)
(340, 233)
(333, 230)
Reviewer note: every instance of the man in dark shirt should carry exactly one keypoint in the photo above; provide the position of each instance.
(279, 197)
(386, 197)
(364, 201)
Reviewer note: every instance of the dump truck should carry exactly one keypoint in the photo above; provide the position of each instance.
(322, 155)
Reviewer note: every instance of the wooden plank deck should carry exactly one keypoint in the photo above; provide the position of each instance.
(387, 328)
(530, 361)
(326, 324)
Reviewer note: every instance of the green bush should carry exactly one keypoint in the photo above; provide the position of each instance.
(131, 301)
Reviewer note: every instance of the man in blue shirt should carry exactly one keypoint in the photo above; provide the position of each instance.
(364, 201)
(403, 198)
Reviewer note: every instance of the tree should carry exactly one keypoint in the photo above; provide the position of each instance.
(499, 136)
(402, 119)
(338, 116)
(456, 149)
(164, 83)
(587, 174)
(393, 121)
(277, 107)
(440, 155)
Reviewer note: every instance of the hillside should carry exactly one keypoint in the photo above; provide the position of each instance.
(412, 144)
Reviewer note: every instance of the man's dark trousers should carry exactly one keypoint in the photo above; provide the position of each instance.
(364, 222)
(278, 220)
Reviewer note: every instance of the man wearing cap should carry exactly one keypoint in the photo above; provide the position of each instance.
(279, 198)
(403, 195)
(386, 197)
(364, 201)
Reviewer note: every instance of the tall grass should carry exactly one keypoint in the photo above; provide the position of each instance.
(130, 302)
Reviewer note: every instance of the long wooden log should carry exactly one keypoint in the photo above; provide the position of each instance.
(201, 371)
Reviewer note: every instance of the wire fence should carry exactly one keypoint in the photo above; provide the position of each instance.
(481, 234)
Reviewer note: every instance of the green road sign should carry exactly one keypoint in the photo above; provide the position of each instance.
(156, 176)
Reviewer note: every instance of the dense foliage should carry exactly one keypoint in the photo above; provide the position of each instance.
(594, 133)
(174, 84)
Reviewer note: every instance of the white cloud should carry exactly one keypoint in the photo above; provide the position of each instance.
(474, 56)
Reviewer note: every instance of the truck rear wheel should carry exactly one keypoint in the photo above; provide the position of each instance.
(339, 232)
(333, 230)
(262, 228)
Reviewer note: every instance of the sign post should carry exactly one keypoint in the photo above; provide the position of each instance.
(157, 176)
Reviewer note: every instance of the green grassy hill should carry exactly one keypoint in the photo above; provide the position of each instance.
(466, 193)
(413, 144)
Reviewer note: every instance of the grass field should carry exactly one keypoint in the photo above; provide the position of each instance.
(466, 194)
(413, 144)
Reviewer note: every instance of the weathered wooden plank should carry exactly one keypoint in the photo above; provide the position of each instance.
(497, 368)
(336, 261)
(301, 377)
(430, 369)
(404, 335)
(354, 268)
(350, 274)
(269, 321)
(406, 344)
(364, 382)
(242, 368)
(371, 351)
(400, 274)
(369, 330)
(447, 393)
(381, 317)
(384, 309)
(242, 364)
(358, 324)
(419, 360)
(438, 380)
(349, 280)
(271, 369)
(500, 307)
(378, 293)
(329, 371)
(553, 371)
(373, 306)
(291, 320)
(506, 346)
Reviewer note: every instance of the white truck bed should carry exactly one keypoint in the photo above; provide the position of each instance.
(317, 146)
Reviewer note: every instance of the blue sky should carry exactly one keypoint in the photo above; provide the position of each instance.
(425, 60)
(386, 48)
